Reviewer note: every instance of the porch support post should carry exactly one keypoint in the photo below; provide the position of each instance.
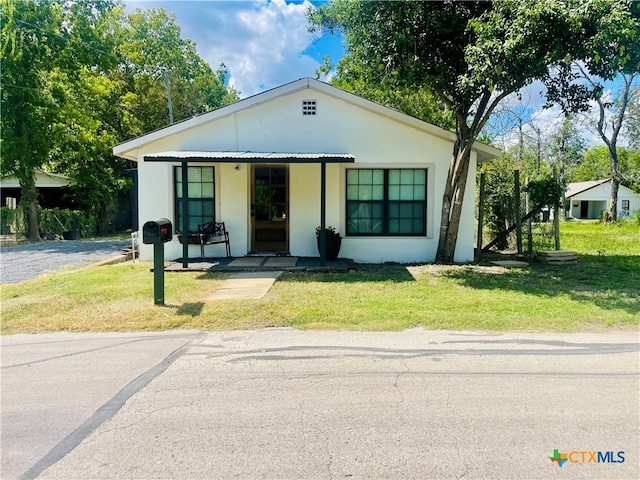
(323, 213)
(185, 216)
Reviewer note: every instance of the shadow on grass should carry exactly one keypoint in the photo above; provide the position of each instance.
(191, 309)
(609, 282)
(387, 272)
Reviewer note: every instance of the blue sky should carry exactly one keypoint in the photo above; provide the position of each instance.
(263, 43)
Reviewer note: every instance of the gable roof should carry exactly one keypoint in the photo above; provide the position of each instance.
(580, 187)
(126, 149)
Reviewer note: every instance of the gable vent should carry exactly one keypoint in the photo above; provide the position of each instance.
(308, 107)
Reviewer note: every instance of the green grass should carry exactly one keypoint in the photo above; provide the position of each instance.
(602, 292)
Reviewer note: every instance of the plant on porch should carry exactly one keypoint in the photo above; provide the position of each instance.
(333, 242)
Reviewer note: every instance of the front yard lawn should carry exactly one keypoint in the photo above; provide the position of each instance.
(601, 292)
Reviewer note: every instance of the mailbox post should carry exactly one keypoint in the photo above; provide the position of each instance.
(157, 233)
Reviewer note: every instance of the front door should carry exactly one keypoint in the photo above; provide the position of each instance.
(584, 209)
(270, 209)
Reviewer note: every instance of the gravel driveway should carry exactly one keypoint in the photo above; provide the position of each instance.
(24, 262)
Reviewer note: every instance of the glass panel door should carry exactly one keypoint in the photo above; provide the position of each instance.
(270, 209)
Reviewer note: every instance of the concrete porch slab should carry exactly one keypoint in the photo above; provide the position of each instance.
(246, 262)
(281, 262)
(254, 264)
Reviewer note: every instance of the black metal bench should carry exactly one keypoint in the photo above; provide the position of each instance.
(211, 233)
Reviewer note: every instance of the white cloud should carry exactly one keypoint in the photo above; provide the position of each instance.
(261, 42)
(271, 53)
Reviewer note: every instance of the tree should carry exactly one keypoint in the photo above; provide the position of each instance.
(472, 55)
(149, 41)
(596, 165)
(633, 119)
(420, 103)
(30, 36)
(609, 121)
(566, 148)
(103, 108)
(40, 38)
(79, 77)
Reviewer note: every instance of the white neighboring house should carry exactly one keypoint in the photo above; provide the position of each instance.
(266, 164)
(589, 200)
(51, 187)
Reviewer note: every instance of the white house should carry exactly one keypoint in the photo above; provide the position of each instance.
(591, 199)
(272, 165)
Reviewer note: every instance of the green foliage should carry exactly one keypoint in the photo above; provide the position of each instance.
(545, 190)
(596, 165)
(7, 216)
(54, 221)
(79, 77)
(471, 55)
(417, 102)
(498, 206)
(543, 236)
(148, 42)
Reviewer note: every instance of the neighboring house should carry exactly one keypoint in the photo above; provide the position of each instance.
(265, 166)
(589, 200)
(53, 190)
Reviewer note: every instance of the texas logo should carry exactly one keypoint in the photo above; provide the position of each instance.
(586, 457)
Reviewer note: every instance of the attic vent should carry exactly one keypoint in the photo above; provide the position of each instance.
(308, 107)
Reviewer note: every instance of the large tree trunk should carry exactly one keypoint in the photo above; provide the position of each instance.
(28, 200)
(452, 200)
(615, 184)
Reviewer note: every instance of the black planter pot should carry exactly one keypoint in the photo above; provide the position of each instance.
(70, 235)
(333, 247)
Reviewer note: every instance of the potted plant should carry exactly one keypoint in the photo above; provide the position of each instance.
(72, 221)
(333, 242)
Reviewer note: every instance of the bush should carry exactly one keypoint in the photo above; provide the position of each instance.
(54, 221)
(7, 219)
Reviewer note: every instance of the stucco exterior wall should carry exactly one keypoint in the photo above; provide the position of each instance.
(376, 141)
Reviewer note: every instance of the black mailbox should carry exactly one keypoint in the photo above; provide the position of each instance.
(158, 231)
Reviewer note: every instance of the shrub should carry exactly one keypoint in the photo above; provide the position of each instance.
(7, 219)
(56, 220)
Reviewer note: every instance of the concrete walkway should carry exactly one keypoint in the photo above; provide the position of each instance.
(245, 285)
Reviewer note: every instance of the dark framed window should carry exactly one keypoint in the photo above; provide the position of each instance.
(387, 202)
(626, 205)
(201, 193)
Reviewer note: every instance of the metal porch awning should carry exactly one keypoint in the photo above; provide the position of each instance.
(186, 157)
(248, 157)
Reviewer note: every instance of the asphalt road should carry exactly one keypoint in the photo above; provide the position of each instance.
(281, 403)
(23, 262)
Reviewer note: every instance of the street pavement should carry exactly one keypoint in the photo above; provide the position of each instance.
(57, 387)
(288, 404)
(24, 262)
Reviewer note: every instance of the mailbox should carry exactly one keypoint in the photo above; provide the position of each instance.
(158, 231)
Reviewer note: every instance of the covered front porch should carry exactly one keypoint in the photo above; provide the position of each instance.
(272, 200)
